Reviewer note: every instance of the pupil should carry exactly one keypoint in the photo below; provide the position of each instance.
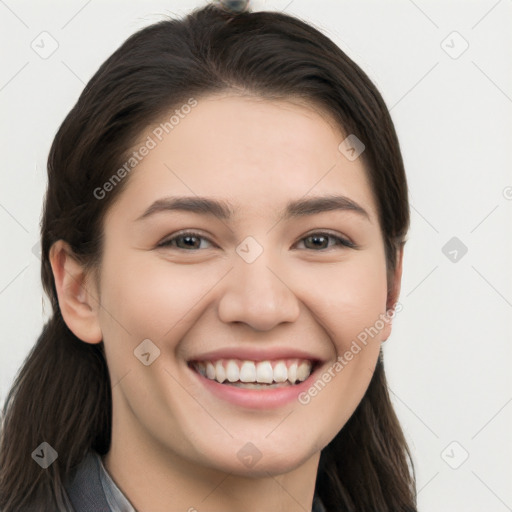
(317, 238)
(189, 240)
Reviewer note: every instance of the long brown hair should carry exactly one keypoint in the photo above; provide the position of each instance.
(62, 393)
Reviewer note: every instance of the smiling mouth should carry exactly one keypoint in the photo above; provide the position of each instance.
(255, 374)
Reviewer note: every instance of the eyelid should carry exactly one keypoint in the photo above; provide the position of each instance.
(343, 240)
(166, 241)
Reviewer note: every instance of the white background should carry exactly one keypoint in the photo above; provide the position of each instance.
(448, 359)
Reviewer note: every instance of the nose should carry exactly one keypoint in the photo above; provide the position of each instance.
(258, 294)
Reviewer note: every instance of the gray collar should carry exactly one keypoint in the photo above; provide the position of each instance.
(116, 500)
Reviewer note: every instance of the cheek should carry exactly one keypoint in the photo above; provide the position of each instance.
(144, 300)
(348, 302)
(152, 299)
(347, 299)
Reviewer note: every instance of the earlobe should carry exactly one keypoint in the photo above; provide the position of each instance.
(77, 302)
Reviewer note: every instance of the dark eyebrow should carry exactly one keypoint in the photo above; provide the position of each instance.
(223, 210)
(194, 204)
(314, 205)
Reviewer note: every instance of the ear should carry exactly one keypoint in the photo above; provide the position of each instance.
(77, 294)
(394, 285)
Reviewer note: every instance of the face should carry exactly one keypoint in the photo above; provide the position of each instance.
(263, 287)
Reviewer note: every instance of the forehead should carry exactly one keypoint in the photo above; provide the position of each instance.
(252, 151)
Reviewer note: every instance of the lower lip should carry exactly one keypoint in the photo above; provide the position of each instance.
(256, 398)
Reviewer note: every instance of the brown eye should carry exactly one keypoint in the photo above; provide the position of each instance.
(320, 241)
(187, 241)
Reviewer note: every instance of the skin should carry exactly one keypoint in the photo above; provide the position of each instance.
(174, 445)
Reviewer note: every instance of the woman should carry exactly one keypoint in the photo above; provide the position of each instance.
(222, 244)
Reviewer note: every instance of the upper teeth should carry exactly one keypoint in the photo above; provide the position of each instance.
(267, 372)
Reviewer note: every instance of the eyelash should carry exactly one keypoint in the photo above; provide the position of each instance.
(340, 241)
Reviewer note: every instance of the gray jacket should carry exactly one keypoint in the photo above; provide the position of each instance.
(91, 489)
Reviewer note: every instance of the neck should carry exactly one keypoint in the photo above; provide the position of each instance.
(174, 485)
(155, 479)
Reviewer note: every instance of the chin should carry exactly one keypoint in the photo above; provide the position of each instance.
(252, 462)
